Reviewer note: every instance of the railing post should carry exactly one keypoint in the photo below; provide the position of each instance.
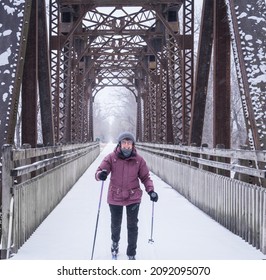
(184, 160)
(224, 160)
(244, 177)
(193, 163)
(25, 161)
(7, 183)
(203, 156)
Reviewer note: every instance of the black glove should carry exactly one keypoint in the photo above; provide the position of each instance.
(153, 196)
(102, 175)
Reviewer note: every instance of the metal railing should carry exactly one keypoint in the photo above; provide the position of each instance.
(34, 181)
(225, 184)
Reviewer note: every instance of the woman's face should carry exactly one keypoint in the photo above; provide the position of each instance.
(126, 144)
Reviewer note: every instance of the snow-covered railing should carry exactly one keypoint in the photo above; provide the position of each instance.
(222, 183)
(34, 180)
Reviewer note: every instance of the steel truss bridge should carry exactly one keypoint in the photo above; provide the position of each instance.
(56, 56)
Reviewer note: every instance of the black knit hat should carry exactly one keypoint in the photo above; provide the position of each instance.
(126, 135)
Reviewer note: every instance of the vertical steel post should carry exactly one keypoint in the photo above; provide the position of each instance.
(221, 81)
(29, 82)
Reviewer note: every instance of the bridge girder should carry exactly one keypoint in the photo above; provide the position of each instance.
(123, 38)
(246, 25)
(147, 50)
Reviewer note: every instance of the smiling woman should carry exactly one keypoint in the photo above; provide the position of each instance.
(127, 168)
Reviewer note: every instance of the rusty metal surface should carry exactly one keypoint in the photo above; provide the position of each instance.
(202, 72)
(94, 44)
(12, 51)
(248, 28)
(187, 66)
(107, 3)
(29, 84)
(44, 77)
(221, 77)
(115, 45)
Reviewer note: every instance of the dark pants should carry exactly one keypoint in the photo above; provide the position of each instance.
(132, 225)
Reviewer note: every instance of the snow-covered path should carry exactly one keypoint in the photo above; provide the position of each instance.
(181, 231)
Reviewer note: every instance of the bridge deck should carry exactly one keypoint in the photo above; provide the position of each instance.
(181, 231)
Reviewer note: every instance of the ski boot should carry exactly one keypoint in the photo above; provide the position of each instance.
(114, 250)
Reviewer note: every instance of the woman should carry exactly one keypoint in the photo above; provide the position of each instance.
(126, 167)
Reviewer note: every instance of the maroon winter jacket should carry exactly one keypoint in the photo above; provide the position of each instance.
(124, 188)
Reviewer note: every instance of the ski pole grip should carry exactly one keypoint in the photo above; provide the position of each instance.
(102, 175)
(153, 195)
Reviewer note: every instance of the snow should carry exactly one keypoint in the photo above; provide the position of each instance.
(181, 231)
(9, 9)
(4, 57)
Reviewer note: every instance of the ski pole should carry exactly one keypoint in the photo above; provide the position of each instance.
(152, 218)
(96, 227)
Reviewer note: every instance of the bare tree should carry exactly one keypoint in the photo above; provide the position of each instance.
(114, 112)
(239, 131)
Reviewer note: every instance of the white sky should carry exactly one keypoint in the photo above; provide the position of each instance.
(181, 231)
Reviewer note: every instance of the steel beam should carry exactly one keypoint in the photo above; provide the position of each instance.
(44, 77)
(13, 48)
(248, 28)
(187, 67)
(221, 79)
(119, 3)
(202, 73)
(29, 83)
(55, 54)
